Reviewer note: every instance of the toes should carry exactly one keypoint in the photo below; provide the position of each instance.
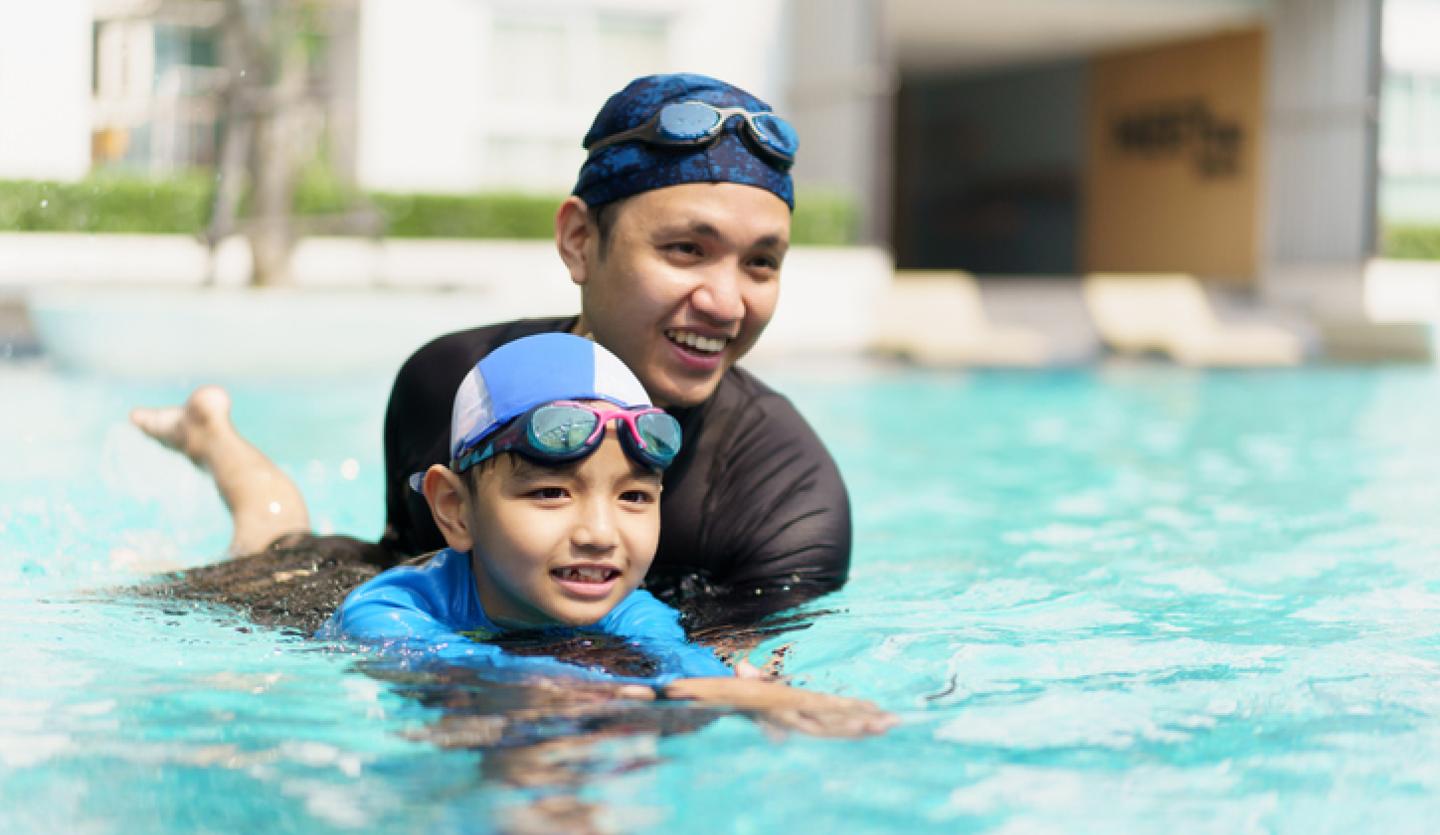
(162, 424)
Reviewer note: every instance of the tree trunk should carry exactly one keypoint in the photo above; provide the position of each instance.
(266, 137)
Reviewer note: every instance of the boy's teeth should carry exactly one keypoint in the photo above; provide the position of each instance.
(586, 574)
(708, 344)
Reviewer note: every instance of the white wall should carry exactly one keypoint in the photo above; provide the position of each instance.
(419, 65)
(45, 89)
(446, 105)
(1321, 132)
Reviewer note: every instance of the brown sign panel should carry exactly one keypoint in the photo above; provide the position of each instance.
(1173, 178)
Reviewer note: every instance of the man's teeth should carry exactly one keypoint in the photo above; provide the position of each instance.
(708, 344)
(586, 574)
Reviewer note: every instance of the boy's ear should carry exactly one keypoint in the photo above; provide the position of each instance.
(574, 236)
(448, 498)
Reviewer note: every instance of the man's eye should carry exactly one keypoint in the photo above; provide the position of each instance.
(766, 263)
(686, 248)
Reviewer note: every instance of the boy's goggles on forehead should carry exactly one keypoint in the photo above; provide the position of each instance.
(565, 431)
(694, 123)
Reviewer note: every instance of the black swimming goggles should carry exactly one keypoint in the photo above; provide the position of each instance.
(565, 431)
(694, 123)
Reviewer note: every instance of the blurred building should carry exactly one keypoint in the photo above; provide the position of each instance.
(1410, 112)
(1229, 138)
(1226, 138)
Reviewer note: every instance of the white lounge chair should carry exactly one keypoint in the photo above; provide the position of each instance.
(1169, 313)
(937, 318)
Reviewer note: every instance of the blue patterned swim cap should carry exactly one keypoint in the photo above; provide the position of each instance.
(629, 168)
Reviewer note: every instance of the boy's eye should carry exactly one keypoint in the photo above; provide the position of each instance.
(638, 496)
(548, 493)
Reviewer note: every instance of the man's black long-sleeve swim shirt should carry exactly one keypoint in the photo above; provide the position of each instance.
(753, 508)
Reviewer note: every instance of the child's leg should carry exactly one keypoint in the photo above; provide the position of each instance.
(264, 503)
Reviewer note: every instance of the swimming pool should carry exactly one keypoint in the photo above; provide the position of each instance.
(1136, 598)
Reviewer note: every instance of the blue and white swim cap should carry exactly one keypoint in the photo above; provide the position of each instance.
(520, 375)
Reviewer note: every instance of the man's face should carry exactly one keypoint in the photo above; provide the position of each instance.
(687, 284)
(563, 545)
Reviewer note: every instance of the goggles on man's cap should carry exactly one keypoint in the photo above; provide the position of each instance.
(694, 123)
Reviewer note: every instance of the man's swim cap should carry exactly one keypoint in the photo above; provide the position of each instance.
(523, 374)
(629, 168)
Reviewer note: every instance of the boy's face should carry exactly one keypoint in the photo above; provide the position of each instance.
(563, 544)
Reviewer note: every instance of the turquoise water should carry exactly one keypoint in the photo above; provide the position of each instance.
(1136, 599)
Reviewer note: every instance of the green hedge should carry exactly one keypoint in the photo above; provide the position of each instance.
(1404, 240)
(182, 205)
(106, 204)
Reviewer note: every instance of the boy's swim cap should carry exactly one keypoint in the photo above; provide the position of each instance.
(630, 168)
(523, 374)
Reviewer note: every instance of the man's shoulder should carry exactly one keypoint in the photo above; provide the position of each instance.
(742, 394)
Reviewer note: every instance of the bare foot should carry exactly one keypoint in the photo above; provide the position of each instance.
(190, 429)
(264, 503)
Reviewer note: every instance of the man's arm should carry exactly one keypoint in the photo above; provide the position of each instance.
(818, 714)
(775, 525)
(416, 433)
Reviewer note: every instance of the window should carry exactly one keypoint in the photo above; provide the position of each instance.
(550, 67)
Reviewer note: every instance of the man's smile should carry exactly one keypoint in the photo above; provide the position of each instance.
(697, 342)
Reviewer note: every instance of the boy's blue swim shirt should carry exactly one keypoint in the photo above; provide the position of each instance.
(433, 610)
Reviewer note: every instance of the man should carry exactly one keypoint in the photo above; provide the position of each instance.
(677, 250)
(675, 234)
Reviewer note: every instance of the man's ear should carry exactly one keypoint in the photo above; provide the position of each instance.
(575, 238)
(449, 505)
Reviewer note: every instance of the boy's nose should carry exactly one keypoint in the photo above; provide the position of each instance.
(595, 529)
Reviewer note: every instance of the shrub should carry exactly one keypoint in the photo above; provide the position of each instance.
(107, 204)
(1418, 241)
(181, 204)
(825, 219)
(468, 216)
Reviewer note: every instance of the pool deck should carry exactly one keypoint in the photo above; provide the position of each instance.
(133, 293)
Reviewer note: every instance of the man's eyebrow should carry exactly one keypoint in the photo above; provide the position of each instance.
(693, 227)
(705, 229)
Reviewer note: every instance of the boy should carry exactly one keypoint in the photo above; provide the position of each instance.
(550, 508)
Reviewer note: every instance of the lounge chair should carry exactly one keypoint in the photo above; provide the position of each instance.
(936, 318)
(1169, 313)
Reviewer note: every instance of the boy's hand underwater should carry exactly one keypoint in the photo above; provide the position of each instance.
(819, 714)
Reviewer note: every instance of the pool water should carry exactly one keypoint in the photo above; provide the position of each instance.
(1131, 599)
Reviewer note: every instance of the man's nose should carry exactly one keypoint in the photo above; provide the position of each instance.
(718, 297)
